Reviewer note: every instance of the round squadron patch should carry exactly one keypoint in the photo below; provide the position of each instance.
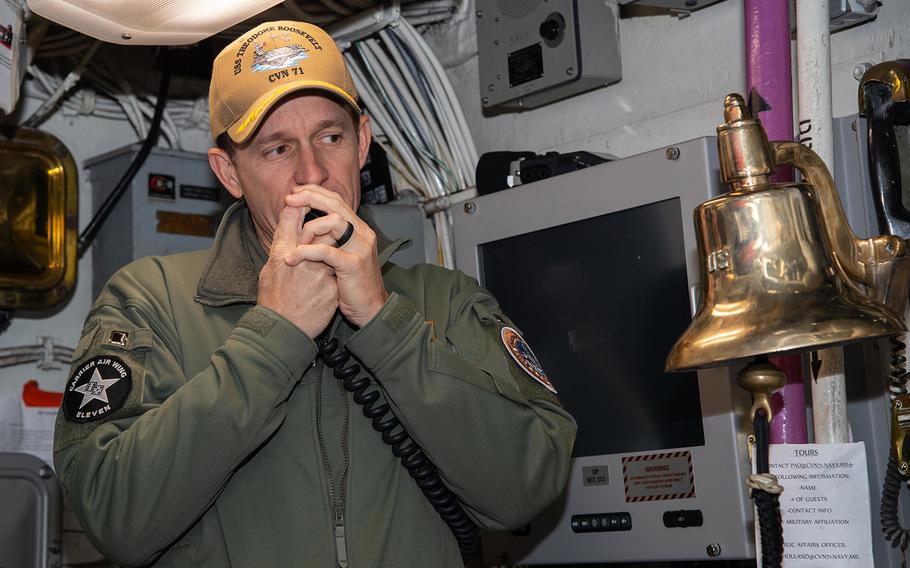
(98, 387)
(521, 352)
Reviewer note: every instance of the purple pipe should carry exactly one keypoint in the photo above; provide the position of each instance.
(770, 93)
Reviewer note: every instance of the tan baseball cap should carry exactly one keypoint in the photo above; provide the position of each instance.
(270, 61)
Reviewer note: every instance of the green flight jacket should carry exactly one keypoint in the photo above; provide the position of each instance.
(236, 446)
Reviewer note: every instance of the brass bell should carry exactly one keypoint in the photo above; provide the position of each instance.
(781, 270)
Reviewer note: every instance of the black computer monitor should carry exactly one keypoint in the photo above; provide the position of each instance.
(599, 270)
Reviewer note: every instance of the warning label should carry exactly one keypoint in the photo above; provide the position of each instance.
(656, 477)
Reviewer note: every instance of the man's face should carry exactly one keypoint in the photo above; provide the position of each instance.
(305, 139)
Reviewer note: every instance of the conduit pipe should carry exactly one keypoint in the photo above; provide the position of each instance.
(770, 89)
(813, 64)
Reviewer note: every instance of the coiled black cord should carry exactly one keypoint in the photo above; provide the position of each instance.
(403, 446)
(895, 533)
(897, 374)
(768, 504)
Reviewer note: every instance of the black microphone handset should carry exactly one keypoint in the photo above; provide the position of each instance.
(403, 446)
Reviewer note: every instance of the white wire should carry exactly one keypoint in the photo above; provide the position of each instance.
(457, 132)
(389, 76)
(419, 100)
(444, 86)
(430, 6)
(396, 162)
(444, 235)
(133, 101)
(167, 128)
(61, 90)
(406, 62)
(447, 139)
(443, 116)
(417, 136)
(405, 81)
(43, 82)
(428, 142)
(387, 125)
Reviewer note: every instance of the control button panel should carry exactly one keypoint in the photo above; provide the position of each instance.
(601, 522)
(683, 518)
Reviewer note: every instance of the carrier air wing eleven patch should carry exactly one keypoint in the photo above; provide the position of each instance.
(98, 387)
(519, 349)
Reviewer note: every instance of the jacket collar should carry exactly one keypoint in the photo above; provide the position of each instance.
(231, 274)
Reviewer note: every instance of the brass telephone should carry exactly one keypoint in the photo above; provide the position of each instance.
(884, 99)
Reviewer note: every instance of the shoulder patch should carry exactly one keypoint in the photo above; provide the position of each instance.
(97, 387)
(519, 349)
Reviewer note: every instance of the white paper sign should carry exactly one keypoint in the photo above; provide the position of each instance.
(27, 429)
(12, 50)
(27, 426)
(825, 504)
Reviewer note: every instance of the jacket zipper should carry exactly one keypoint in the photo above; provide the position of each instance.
(336, 504)
(340, 543)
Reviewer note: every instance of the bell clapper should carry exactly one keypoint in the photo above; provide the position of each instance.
(761, 377)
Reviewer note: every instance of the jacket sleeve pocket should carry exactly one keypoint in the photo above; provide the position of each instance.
(105, 381)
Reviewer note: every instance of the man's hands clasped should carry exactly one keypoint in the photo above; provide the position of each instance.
(307, 277)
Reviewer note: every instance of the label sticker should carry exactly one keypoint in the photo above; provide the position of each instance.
(186, 224)
(162, 186)
(656, 477)
(595, 475)
(6, 36)
(200, 192)
(98, 387)
(521, 352)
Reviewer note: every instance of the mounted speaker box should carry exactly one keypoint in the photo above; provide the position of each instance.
(534, 52)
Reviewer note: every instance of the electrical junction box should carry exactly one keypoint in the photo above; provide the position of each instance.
(682, 7)
(534, 52)
(844, 14)
(174, 204)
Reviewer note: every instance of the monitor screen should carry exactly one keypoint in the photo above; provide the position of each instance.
(609, 299)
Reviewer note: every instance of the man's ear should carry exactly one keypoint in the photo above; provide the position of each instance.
(223, 166)
(363, 139)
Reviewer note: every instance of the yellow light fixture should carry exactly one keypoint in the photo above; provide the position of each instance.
(38, 208)
(149, 22)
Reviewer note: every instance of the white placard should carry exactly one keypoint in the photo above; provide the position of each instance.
(12, 50)
(26, 428)
(825, 504)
